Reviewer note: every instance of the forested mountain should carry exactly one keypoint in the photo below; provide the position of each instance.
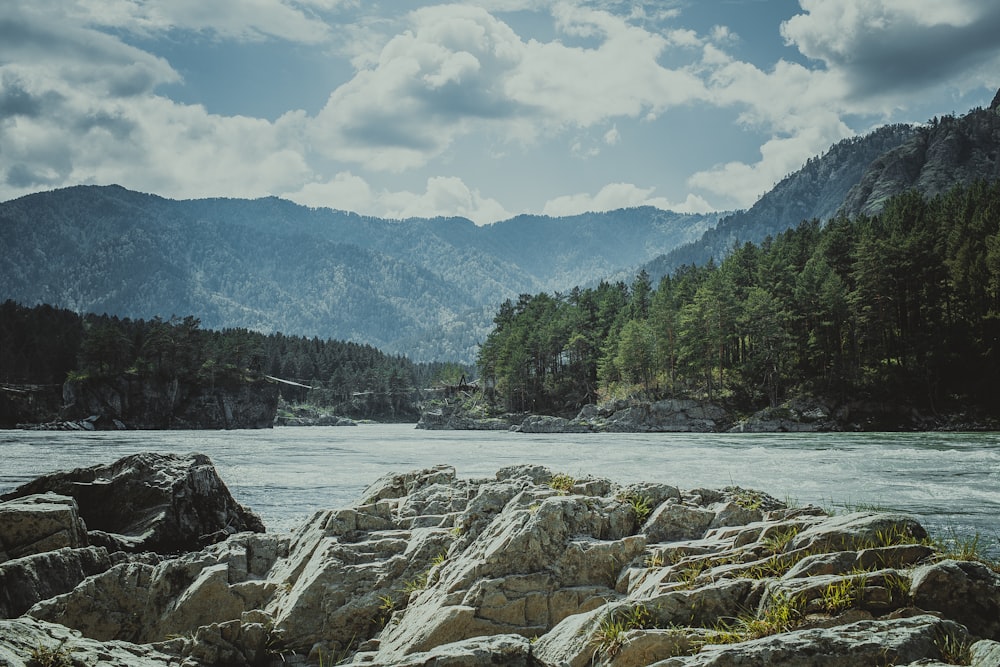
(424, 287)
(859, 175)
(419, 286)
(899, 309)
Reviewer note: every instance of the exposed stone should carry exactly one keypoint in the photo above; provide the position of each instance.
(870, 642)
(143, 602)
(26, 581)
(428, 569)
(151, 502)
(547, 424)
(26, 642)
(966, 591)
(40, 522)
(150, 403)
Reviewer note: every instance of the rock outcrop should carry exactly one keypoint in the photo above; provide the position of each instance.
(145, 502)
(536, 569)
(148, 403)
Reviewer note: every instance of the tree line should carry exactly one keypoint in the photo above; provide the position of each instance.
(901, 307)
(47, 345)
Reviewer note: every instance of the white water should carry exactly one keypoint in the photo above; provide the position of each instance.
(950, 481)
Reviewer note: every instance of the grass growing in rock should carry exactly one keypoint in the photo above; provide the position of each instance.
(842, 595)
(955, 649)
(613, 629)
(642, 506)
(562, 483)
(42, 656)
(783, 614)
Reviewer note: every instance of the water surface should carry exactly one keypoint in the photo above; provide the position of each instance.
(950, 481)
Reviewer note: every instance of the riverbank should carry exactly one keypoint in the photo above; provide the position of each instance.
(529, 566)
(801, 415)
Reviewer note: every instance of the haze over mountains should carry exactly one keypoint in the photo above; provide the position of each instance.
(426, 288)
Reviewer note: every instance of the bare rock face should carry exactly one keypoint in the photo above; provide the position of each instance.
(36, 523)
(535, 569)
(26, 642)
(145, 602)
(26, 581)
(150, 502)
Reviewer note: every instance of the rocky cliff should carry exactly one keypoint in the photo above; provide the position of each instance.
(535, 569)
(147, 403)
(944, 153)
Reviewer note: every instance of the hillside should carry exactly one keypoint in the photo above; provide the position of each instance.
(423, 287)
(816, 191)
(859, 175)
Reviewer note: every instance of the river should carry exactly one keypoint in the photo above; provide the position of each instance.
(949, 481)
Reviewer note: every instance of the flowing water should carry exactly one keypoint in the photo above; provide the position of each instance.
(949, 481)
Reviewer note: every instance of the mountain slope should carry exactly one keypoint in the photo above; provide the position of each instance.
(419, 286)
(945, 153)
(817, 190)
(857, 176)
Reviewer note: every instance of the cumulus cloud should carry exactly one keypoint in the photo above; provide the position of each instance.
(443, 197)
(884, 46)
(293, 20)
(459, 69)
(620, 195)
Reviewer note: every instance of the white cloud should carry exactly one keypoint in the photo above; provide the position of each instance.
(229, 19)
(620, 195)
(895, 48)
(443, 197)
(459, 69)
(738, 184)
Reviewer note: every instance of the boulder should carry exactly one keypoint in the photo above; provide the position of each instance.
(531, 568)
(150, 502)
(26, 642)
(669, 415)
(144, 602)
(547, 424)
(966, 591)
(26, 581)
(495, 651)
(39, 522)
(871, 642)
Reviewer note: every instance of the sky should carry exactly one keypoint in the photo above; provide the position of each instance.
(485, 109)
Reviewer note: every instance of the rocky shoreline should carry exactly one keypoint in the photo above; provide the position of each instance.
(800, 415)
(150, 562)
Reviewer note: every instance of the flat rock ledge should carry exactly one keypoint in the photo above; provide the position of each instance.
(530, 568)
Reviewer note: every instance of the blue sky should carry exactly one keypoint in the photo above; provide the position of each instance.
(483, 109)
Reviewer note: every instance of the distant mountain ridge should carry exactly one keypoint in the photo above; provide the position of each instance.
(857, 176)
(426, 287)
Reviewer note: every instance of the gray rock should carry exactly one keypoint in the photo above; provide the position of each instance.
(986, 652)
(966, 591)
(151, 502)
(26, 642)
(142, 602)
(673, 521)
(871, 642)
(26, 581)
(859, 530)
(546, 424)
(496, 650)
(36, 523)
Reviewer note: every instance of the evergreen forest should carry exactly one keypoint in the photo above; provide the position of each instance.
(45, 345)
(902, 307)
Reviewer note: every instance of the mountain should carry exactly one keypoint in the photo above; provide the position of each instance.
(424, 287)
(857, 176)
(817, 190)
